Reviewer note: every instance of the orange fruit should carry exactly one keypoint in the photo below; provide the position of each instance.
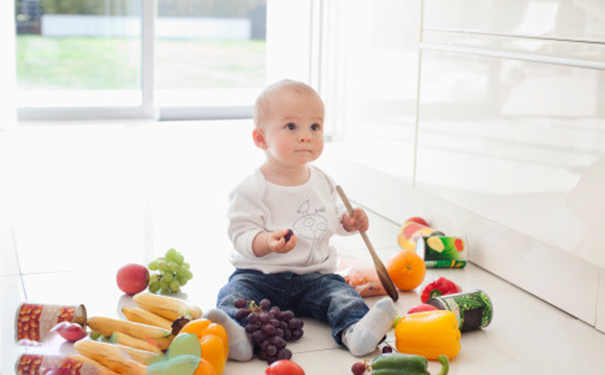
(407, 270)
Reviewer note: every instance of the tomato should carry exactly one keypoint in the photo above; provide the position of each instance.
(418, 220)
(284, 367)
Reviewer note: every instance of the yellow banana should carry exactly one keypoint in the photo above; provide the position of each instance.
(132, 342)
(168, 307)
(101, 370)
(137, 315)
(107, 326)
(141, 356)
(164, 343)
(110, 356)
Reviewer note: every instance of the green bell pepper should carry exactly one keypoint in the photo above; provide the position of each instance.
(405, 364)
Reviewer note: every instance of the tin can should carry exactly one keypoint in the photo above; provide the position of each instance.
(473, 310)
(38, 364)
(34, 321)
(411, 231)
(443, 251)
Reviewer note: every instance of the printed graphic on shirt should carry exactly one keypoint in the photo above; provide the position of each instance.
(312, 225)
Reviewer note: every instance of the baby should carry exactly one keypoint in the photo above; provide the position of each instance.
(281, 218)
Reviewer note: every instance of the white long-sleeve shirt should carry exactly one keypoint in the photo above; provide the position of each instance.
(312, 210)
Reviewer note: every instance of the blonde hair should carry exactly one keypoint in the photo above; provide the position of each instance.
(262, 103)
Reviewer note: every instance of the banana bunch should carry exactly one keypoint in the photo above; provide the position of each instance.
(138, 341)
(167, 307)
(110, 356)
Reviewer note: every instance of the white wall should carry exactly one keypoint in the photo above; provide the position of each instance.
(490, 124)
(288, 57)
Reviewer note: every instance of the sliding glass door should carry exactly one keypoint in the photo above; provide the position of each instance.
(139, 58)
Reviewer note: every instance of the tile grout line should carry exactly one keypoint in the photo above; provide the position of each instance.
(596, 313)
(67, 271)
(18, 261)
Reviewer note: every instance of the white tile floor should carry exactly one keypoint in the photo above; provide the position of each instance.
(84, 200)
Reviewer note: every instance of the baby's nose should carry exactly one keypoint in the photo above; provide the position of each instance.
(304, 137)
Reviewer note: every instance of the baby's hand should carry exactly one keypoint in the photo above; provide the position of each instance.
(359, 221)
(281, 241)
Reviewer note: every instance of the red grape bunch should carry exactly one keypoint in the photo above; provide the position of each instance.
(269, 328)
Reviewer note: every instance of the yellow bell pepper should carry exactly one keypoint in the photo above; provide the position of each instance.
(213, 340)
(429, 334)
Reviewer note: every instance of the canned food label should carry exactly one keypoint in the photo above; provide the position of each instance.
(442, 251)
(473, 310)
(35, 364)
(29, 364)
(34, 321)
(445, 263)
(411, 231)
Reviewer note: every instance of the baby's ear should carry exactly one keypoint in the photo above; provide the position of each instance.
(259, 138)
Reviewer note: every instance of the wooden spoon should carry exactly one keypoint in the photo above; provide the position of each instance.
(381, 270)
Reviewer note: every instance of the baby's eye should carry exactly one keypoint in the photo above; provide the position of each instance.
(291, 126)
(315, 127)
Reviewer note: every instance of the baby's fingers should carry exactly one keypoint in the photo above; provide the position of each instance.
(359, 221)
(354, 220)
(363, 224)
(291, 243)
(276, 241)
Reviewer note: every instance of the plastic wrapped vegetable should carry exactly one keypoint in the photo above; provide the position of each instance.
(429, 334)
(361, 276)
(405, 364)
(439, 287)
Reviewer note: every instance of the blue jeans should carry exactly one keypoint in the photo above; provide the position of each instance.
(326, 297)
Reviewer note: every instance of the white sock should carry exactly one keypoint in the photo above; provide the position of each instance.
(363, 337)
(240, 346)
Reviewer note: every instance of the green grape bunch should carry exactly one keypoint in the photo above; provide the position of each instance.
(172, 272)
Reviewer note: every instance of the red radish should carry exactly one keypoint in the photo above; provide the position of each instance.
(70, 331)
(422, 307)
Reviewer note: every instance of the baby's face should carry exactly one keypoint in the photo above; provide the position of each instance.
(293, 128)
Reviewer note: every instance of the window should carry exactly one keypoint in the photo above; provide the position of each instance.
(118, 58)
(209, 54)
(78, 53)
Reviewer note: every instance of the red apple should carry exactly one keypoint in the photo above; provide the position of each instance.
(418, 220)
(132, 278)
